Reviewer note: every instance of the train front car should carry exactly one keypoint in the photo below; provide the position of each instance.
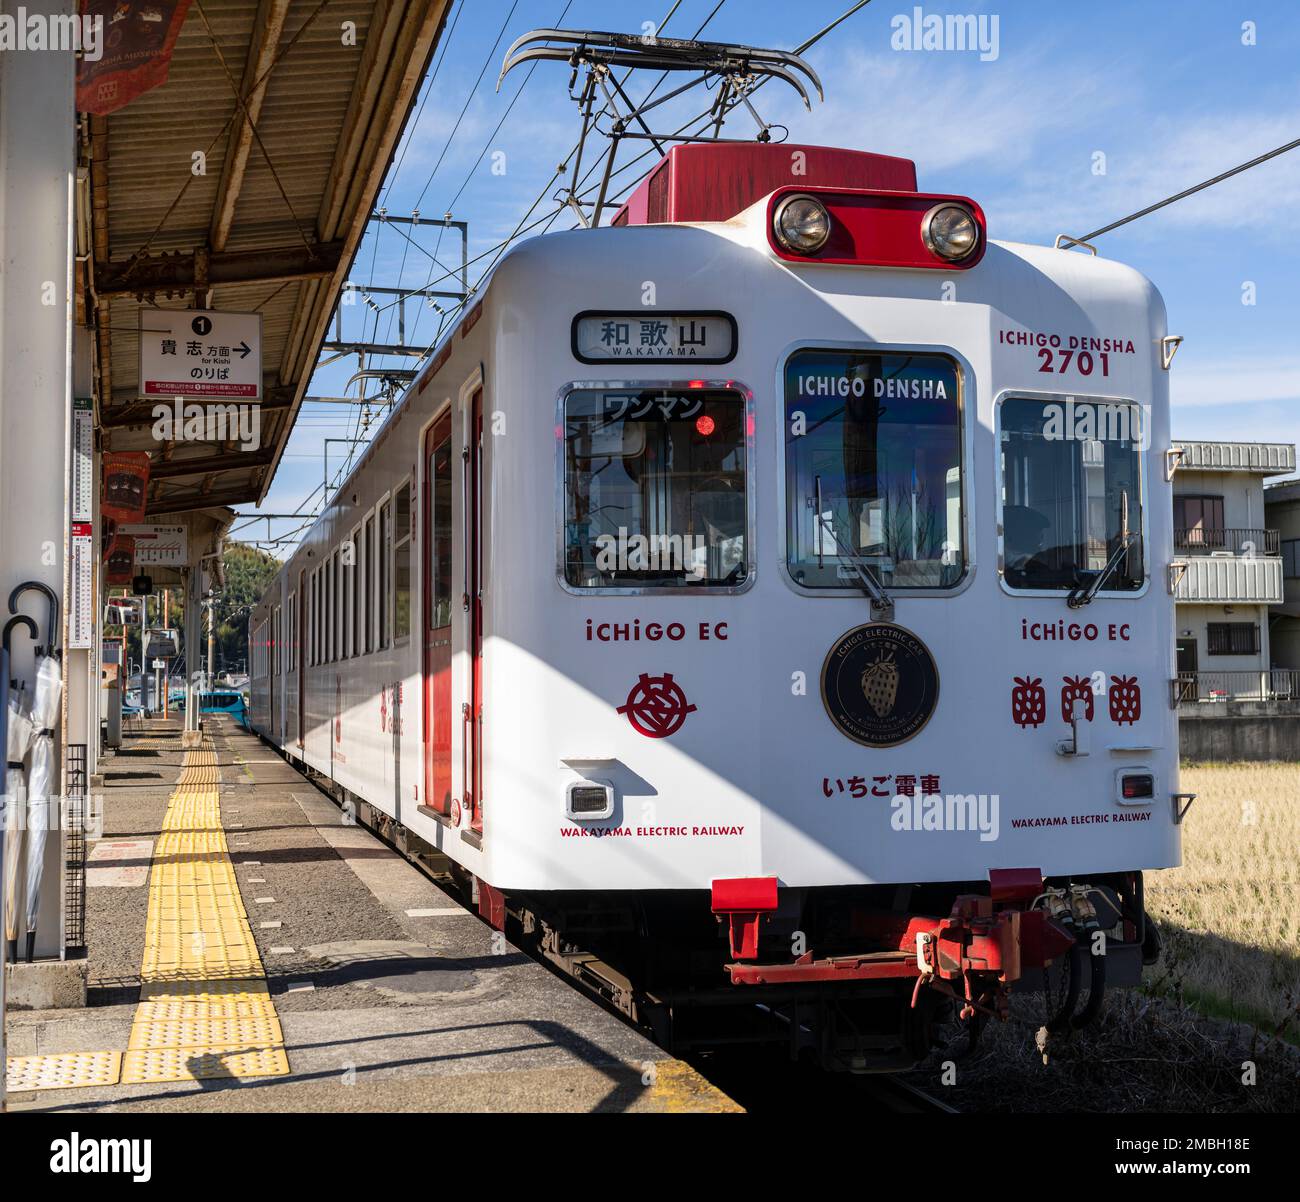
(842, 706)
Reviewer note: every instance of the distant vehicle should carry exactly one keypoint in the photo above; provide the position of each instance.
(224, 701)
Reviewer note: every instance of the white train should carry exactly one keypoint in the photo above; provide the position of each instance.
(762, 602)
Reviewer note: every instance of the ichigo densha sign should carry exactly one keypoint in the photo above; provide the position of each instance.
(200, 353)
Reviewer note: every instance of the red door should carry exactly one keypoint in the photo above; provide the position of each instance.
(437, 615)
(473, 712)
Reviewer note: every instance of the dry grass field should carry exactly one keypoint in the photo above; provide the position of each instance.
(1225, 994)
(1230, 915)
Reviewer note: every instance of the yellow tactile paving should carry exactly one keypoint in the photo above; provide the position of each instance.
(63, 1070)
(204, 1007)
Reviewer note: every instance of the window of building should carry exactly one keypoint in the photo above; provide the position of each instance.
(873, 471)
(1291, 558)
(1232, 638)
(1198, 522)
(1071, 491)
(654, 489)
(384, 601)
(402, 564)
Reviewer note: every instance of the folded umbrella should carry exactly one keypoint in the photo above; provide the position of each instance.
(18, 741)
(40, 783)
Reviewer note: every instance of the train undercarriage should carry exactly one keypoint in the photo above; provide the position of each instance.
(853, 979)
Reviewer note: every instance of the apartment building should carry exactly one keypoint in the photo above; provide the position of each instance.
(1282, 512)
(1228, 571)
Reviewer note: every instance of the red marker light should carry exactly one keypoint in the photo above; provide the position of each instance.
(704, 424)
(695, 384)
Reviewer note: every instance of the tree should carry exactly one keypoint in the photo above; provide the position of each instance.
(248, 574)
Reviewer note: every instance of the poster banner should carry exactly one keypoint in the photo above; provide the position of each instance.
(137, 38)
(126, 480)
(120, 565)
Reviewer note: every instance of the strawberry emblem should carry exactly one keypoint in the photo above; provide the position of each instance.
(880, 684)
(1028, 701)
(1075, 688)
(1125, 700)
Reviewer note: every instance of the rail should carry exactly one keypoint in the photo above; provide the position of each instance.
(1271, 684)
(1240, 540)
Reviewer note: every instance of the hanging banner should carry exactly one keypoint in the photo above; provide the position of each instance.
(120, 566)
(135, 40)
(126, 480)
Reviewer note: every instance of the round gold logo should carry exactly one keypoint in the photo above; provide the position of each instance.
(880, 684)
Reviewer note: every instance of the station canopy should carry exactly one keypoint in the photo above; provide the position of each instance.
(241, 184)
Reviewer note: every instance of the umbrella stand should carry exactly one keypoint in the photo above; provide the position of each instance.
(20, 620)
(41, 779)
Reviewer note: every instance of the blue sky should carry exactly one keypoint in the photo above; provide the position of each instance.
(1166, 90)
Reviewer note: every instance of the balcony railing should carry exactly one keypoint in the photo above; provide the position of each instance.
(1240, 540)
(1270, 684)
(1227, 579)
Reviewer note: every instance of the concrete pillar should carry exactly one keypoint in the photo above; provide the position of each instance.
(37, 172)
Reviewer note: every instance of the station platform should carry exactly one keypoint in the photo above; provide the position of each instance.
(250, 950)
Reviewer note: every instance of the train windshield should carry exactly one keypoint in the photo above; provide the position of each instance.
(1071, 493)
(873, 469)
(654, 488)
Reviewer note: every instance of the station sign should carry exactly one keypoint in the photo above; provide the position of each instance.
(649, 336)
(200, 353)
(159, 546)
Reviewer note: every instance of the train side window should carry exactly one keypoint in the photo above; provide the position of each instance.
(873, 469)
(402, 564)
(1071, 491)
(384, 598)
(441, 535)
(330, 607)
(368, 551)
(354, 575)
(655, 489)
(311, 620)
(341, 608)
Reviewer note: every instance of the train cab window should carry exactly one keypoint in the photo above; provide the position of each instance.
(1071, 493)
(402, 564)
(655, 489)
(873, 469)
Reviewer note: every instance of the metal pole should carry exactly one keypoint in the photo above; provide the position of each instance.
(211, 638)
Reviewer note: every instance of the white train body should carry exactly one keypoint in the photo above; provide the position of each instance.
(754, 777)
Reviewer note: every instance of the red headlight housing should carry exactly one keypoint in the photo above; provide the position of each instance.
(871, 228)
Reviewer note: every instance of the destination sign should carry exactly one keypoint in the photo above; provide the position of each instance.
(649, 336)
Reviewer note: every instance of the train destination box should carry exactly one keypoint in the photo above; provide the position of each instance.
(200, 353)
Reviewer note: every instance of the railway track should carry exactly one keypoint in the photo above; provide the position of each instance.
(774, 1084)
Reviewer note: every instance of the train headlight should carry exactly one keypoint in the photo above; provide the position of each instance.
(951, 232)
(801, 224)
(588, 800)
